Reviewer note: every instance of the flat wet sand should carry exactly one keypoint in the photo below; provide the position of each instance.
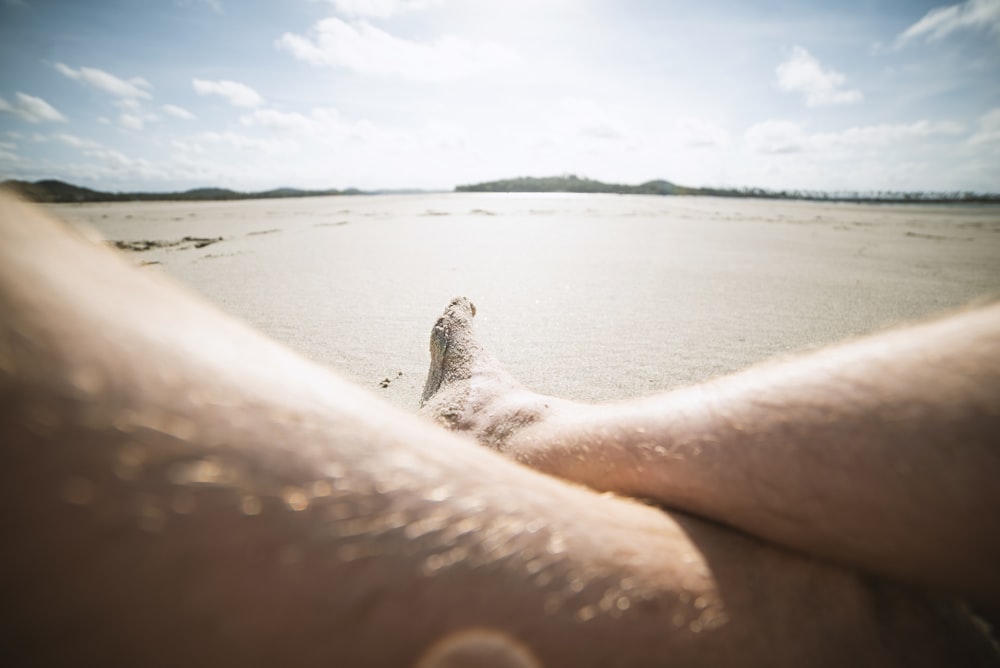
(592, 297)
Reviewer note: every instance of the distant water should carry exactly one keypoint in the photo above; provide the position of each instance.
(592, 297)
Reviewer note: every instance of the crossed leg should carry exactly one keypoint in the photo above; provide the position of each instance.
(880, 454)
(177, 489)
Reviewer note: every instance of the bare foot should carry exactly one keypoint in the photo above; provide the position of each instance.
(468, 390)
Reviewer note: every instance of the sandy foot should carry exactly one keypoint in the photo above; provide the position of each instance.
(468, 390)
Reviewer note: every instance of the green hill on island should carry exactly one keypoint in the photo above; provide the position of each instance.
(574, 184)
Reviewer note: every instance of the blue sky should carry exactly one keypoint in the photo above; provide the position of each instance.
(255, 94)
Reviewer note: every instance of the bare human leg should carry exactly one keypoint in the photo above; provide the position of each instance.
(178, 490)
(880, 454)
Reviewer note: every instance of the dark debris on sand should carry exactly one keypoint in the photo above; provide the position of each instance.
(141, 245)
(386, 382)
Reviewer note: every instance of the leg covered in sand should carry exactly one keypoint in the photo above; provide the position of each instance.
(467, 389)
(881, 454)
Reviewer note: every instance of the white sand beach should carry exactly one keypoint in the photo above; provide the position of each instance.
(592, 297)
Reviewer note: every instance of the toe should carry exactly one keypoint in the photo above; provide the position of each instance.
(453, 346)
(461, 306)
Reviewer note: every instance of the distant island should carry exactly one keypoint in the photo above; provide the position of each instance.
(574, 184)
(51, 191)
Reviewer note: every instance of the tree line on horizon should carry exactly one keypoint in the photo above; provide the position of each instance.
(51, 191)
(571, 183)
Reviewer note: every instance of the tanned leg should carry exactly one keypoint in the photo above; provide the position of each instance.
(178, 490)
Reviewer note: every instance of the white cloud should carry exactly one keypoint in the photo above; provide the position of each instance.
(381, 9)
(446, 135)
(96, 150)
(942, 21)
(131, 121)
(585, 118)
(7, 151)
(76, 142)
(214, 5)
(366, 49)
(188, 147)
(802, 73)
(989, 128)
(776, 137)
(106, 168)
(178, 112)
(699, 133)
(890, 133)
(128, 104)
(239, 95)
(782, 137)
(324, 126)
(134, 114)
(286, 121)
(31, 109)
(244, 143)
(109, 83)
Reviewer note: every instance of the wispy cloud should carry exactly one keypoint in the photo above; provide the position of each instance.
(178, 112)
(381, 9)
(109, 83)
(134, 114)
(191, 148)
(780, 137)
(585, 118)
(95, 149)
(699, 133)
(76, 142)
(989, 128)
(776, 137)
(890, 133)
(8, 151)
(31, 109)
(366, 49)
(942, 21)
(802, 73)
(322, 125)
(284, 121)
(214, 5)
(242, 142)
(238, 94)
(131, 121)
